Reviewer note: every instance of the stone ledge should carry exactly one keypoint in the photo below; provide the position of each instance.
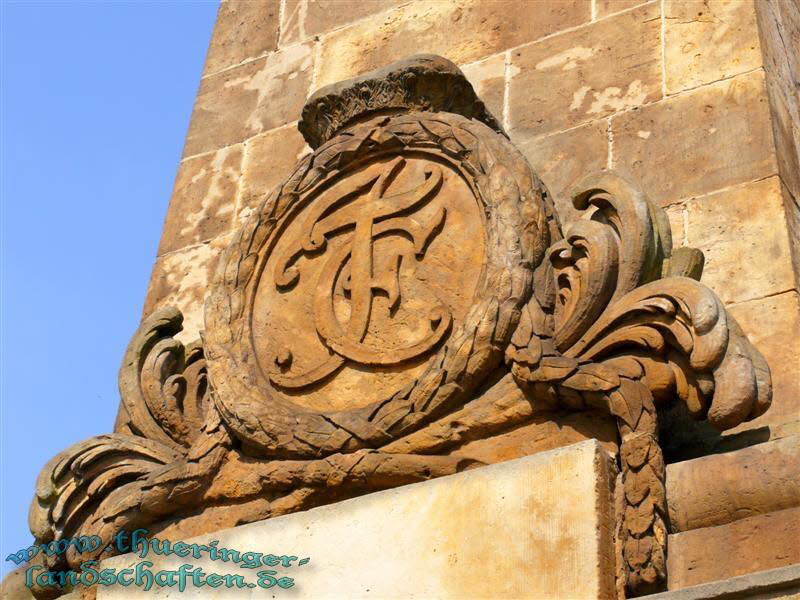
(722, 488)
(775, 583)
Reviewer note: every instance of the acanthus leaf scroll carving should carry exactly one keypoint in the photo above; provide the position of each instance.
(626, 329)
(413, 253)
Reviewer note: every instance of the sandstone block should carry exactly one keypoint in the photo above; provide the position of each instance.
(269, 159)
(708, 40)
(463, 31)
(773, 325)
(321, 16)
(537, 527)
(747, 546)
(244, 101)
(677, 222)
(723, 488)
(742, 232)
(698, 142)
(586, 74)
(779, 26)
(245, 29)
(786, 128)
(203, 199)
(488, 77)
(546, 432)
(563, 159)
(181, 279)
(606, 7)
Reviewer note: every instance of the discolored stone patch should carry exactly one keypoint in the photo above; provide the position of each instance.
(321, 16)
(488, 77)
(604, 8)
(180, 279)
(475, 29)
(269, 159)
(586, 74)
(203, 199)
(244, 101)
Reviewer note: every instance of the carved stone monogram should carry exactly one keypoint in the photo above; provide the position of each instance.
(355, 279)
(405, 292)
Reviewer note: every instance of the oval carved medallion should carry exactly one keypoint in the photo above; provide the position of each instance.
(365, 281)
(375, 287)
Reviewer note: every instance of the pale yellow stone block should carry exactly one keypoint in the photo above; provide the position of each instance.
(743, 235)
(708, 40)
(536, 527)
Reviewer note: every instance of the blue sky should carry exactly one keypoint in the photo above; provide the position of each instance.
(96, 98)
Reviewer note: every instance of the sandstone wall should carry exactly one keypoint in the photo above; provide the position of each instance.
(673, 93)
(695, 100)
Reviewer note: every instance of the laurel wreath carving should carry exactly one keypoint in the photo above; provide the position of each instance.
(512, 201)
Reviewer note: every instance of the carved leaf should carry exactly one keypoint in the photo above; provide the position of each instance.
(163, 385)
(73, 485)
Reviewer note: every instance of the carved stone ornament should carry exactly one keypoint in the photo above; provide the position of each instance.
(409, 264)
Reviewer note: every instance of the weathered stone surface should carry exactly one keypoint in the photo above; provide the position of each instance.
(268, 157)
(545, 432)
(540, 526)
(418, 27)
(245, 29)
(747, 256)
(698, 142)
(563, 159)
(586, 74)
(13, 586)
(363, 324)
(782, 583)
(292, 22)
(203, 199)
(181, 279)
(421, 83)
(773, 325)
(779, 25)
(244, 101)
(603, 8)
(723, 488)
(321, 16)
(488, 77)
(708, 40)
(761, 542)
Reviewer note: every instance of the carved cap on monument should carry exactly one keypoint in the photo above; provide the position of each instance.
(380, 282)
(423, 82)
